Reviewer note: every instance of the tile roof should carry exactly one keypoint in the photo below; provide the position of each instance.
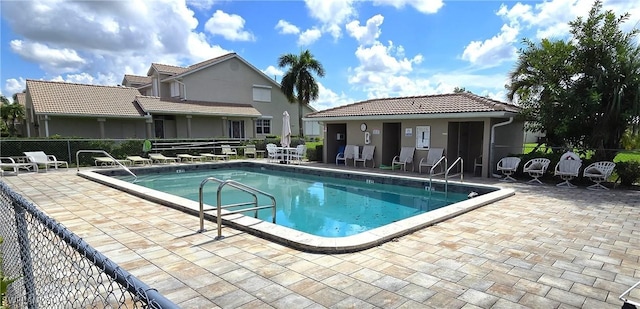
(429, 104)
(168, 69)
(22, 98)
(212, 60)
(78, 99)
(157, 105)
(137, 79)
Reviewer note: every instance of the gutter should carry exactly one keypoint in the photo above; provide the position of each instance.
(465, 115)
(493, 141)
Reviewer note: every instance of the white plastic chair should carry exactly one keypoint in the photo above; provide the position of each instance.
(432, 158)
(567, 168)
(405, 157)
(299, 154)
(367, 155)
(536, 168)
(228, 151)
(598, 172)
(272, 152)
(250, 150)
(508, 166)
(348, 154)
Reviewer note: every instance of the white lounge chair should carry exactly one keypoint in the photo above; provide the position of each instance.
(348, 154)
(405, 157)
(160, 158)
(507, 166)
(432, 158)
(41, 158)
(213, 157)
(138, 160)
(8, 162)
(598, 172)
(567, 168)
(367, 155)
(185, 157)
(536, 168)
(228, 151)
(108, 162)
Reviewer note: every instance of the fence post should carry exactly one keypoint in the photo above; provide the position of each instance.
(25, 256)
(69, 152)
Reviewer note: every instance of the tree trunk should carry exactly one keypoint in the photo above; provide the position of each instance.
(300, 122)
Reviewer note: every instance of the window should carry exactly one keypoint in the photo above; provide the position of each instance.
(236, 128)
(262, 93)
(263, 126)
(175, 89)
(423, 137)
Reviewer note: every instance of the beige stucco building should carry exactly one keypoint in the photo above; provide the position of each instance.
(468, 126)
(222, 97)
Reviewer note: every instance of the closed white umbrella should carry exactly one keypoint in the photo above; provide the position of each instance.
(285, 141)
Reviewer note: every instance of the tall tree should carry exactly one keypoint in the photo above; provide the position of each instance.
(298, 83)
(584, 92)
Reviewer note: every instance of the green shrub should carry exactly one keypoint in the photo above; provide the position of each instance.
(629, 172)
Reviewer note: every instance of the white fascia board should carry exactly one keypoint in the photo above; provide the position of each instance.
(415, 116)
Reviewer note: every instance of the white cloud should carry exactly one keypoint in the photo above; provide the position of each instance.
(54, 60)
(202, 5)
(368, 34)
(309, 37)
(422, 6)
(272, 71)
(550, 18)
(13, 86)
(328, 99)
(229, 26)
(380, 74)
(331, 13)
(105, 39)
(285, 27)
(494, 51)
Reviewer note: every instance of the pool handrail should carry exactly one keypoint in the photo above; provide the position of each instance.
(106, 154)
(240, 186)
(446, 174)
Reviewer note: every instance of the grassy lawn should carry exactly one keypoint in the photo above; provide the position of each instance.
(624, 156)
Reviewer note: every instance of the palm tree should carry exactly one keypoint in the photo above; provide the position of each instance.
(298, 83)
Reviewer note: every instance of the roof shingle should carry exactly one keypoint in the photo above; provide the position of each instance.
(137, 79)
(157, 105)
(429, 104)
(78, 99)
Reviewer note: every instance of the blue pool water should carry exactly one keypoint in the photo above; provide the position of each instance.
(318, 205)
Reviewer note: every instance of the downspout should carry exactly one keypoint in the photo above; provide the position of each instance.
(493, 142)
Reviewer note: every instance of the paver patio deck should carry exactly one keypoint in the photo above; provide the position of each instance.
(545, 247)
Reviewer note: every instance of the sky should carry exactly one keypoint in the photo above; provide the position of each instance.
(369, 49)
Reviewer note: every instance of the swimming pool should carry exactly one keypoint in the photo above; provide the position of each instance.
(318, 205)
(339, 241)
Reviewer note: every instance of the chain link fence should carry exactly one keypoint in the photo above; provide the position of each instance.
(57, 269)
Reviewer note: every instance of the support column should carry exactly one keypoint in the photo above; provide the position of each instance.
(101, 122)
(189, 126)
(46, 125)
(225, 132)
(148, 124)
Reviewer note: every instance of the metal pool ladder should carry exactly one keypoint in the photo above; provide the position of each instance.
(242, 187)
(106, 154)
